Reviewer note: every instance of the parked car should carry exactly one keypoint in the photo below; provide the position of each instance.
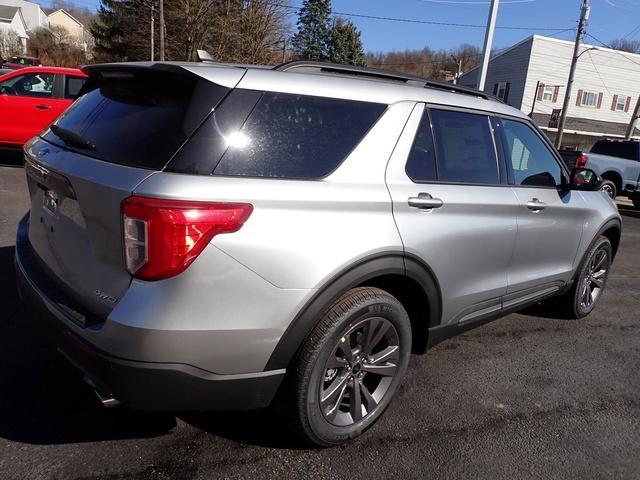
(208, 237)
(616, 161)
(18, 61)
(32, 97)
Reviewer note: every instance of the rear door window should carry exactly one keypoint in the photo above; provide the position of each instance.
(464, 146)
(138, 118)
(297, 136)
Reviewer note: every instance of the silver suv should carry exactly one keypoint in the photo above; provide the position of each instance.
(208, 236)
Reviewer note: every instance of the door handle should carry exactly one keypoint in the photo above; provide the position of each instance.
(536, 205)
(43, 107)
(424, 201)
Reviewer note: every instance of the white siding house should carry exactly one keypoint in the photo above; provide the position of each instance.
(13, 29)
(33, 14)
(532, 76)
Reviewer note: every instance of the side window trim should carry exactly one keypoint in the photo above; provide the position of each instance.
(505, 174)
(58, 87)
(552, 151)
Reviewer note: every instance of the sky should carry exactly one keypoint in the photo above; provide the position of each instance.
(609, 19)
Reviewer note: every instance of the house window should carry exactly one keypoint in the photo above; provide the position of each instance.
(589, 99)
(502, 90)
(621, 103)
(547, 93)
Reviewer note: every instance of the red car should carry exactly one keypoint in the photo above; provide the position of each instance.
(32, 97)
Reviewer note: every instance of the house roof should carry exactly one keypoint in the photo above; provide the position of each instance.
(586, 126)
(7, 13)
(62, 10)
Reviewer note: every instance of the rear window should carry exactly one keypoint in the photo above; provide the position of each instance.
(138, 118)
(296, 136)
(628, 150)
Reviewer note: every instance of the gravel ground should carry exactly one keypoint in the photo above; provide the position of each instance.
(523, 397)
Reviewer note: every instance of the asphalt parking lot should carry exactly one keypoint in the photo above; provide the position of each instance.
(523, 397)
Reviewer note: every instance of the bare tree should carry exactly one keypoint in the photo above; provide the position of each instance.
(10, 44)
(626, 45)
(55, 46)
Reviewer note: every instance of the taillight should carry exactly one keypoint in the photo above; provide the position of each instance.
(163, 237)
(581, 161)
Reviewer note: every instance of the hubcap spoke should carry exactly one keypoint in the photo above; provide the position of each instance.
(355, 401)
(389, 353)
(336, 362)
(375, 331)
(332, 396)
(387, 370)
(345, 347)
(369, 402)
(598, 282)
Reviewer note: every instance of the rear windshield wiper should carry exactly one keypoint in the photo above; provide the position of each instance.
(72, 138)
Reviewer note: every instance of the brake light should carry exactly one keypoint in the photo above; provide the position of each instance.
(581, 161)
(163, 237)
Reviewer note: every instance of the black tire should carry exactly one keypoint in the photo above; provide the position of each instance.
(636, 202)
(610, 188)
(361, 312)
(573, 301)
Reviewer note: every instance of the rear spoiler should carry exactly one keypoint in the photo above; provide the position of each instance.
(225, 75)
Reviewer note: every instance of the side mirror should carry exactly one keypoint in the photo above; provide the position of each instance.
(585, 179)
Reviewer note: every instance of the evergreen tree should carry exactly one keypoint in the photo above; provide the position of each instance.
(313, 39)
(345, 46)
(110, 30)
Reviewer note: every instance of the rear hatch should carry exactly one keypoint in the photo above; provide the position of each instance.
(127, 124)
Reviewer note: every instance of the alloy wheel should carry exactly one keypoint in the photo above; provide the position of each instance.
(608, 189)
(359, 371)
(594, 278)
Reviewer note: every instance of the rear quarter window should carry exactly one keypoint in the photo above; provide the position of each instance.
(297, 136)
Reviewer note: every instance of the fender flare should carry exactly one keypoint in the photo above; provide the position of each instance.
(368, 268)
(610, 223)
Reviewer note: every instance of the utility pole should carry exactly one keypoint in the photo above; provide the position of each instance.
(488, 42)
(162, 30)
(535, 98)
(584, 16)
(152, 31)
(634, 121)
(284, 50)
(458, 69)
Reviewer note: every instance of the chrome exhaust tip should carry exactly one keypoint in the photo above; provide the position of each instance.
(107, 400)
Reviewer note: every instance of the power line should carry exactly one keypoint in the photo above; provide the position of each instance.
(421, 22)
(610, 47)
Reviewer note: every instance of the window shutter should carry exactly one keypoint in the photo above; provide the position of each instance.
(540, 91)
(556, 90)
(599, 100)
(615, 101)
(506, 92)
(627, 105)
(495, 89)
(579, 99)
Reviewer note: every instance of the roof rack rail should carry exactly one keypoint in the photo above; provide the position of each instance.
(378, 74)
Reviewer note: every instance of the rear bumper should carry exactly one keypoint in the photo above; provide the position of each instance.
(149, 386)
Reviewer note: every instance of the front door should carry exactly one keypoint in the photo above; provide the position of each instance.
(453, 208)
(550, 216)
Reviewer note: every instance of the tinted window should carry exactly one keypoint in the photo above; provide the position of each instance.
(72, 86)
(628, 150)
(138, 118)
(464, 146)
(421, 164)
(39, 85)
(297, 136)
(533, 163)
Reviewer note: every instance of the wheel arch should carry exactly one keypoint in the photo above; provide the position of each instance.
(406, 278)
(615, 177)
